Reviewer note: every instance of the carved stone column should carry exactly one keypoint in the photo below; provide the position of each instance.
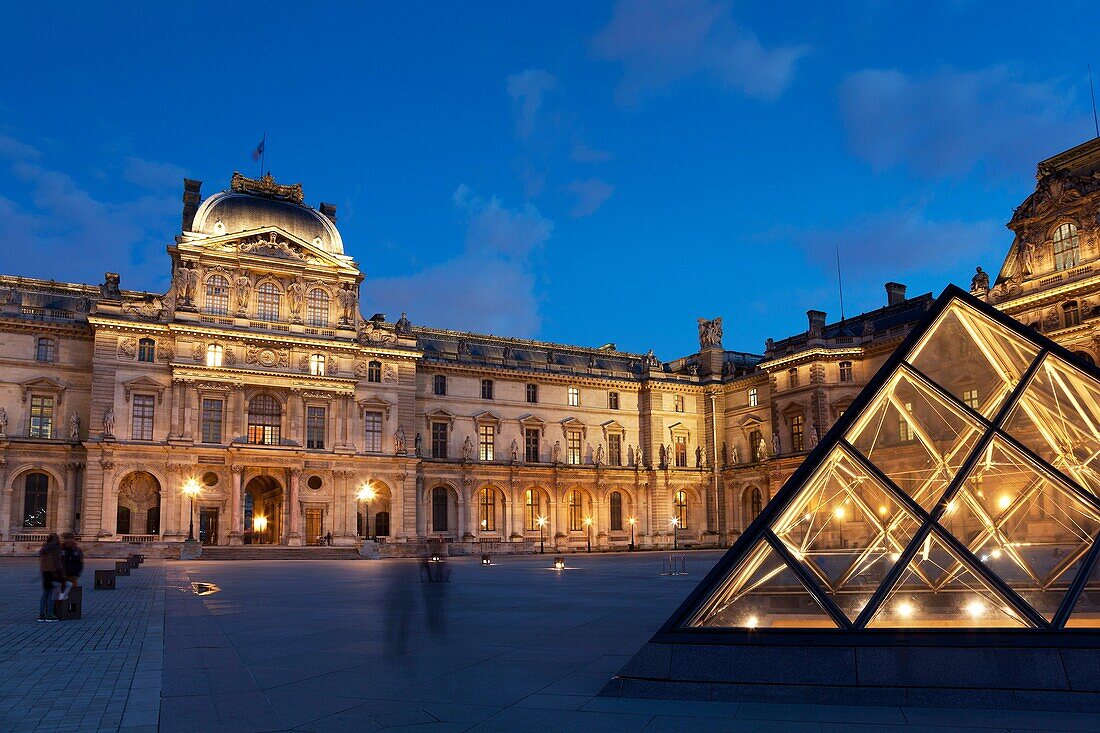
(421, 508)
(397, 504)
(294, 414)
(108, 517)
(235, 506)
(5, 502)
(240, 416)
(295, 536)
(190, 396)
(176, 414)
(66, 502)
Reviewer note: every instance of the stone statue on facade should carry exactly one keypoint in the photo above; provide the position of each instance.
(599, 454)
(637, 456)
(110, 287)
(1027, 259)
(74, 427)
(3, 422)
(295, 297)
(187, 281)
(467, 449)
(762, 449)
(242, 286)
(399, 442)
(663, 456)
(404, 327)
(514, 451)
(710, 332)
(698, 456)
(347, 299)
(651, 361)
(775, 444)
(556, 455)
(418, 445)
(980, 282)
(813, 435)
(109, 423)
(733, 456)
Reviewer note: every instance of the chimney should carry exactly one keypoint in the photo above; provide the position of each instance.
(817, 322)
(895, 293)
(329, 210)
(191, 198)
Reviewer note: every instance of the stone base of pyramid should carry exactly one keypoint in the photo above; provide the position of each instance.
(1032, 671)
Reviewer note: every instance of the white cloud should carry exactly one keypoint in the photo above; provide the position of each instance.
(152, 175)
(527, 90)
(591, 194)
(950, 122)
(659, 42)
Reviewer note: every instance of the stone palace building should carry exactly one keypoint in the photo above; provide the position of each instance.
(258, 384)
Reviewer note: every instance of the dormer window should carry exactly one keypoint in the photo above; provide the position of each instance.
(1066, 247)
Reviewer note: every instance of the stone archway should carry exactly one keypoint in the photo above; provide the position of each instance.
(262, 511)
(138, 504)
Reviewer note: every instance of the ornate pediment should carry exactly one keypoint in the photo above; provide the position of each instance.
(572, 423)
(43, 384)
(143, 384)
(267, 187)
(612, 427)
(487, 417)
(272, 242)
(750, 422)
(374, 403)
(440, 415)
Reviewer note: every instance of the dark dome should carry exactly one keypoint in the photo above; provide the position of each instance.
(230, 212)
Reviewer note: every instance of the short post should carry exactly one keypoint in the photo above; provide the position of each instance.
(69, 609)
(559, 562)
(104, 580)
(122, 567)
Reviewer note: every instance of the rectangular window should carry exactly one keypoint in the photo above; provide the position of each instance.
(845, 371)
(574, 397)
(531, 445)
(970, 397)
(141, 427)
(212, 411)
(792, 376)
(532, 393)
(439, 440)
(678, 403)
(45, 349)
(905, 430)
(41, 417)
(315, 427)
(797, 433)
(486, 389)
(614, 449)
(439, 385)
(146, 350)
(485, 435)
(754, 446)
(681, 445)
(613, 400)
(573, 447)
(373, 422)
(754, 397)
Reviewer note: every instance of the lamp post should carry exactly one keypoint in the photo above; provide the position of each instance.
(366, 493)
(632, 521)
(259, 527)
(541, 521)
(588, 531)
(675, 522)
(191, 489)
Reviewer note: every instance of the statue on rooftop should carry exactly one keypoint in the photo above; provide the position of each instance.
(980, 281)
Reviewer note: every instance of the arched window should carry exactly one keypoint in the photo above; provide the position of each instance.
(680, 504)
(1072, 313)
(267, 302)
(615, 502)
(264, 420)
(122, 520)
(755, 503)
(147, 350)
(439, 509)
(317, 308)
(374, 371)
(533, 503)
(152, 520)
(1066, 247)
(214, 353)
(217, 295)
(487, 510)
(1085, 356)
(35, 494)
(576, 511)
(45, 349)
(317, 364)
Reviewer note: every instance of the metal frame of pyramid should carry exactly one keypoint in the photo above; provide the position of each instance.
(967, 477)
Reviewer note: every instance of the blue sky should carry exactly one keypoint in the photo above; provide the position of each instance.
(582, 172)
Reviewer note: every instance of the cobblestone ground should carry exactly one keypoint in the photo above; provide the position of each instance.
(101, 672)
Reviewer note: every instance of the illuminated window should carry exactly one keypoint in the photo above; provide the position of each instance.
(531, 445)
(613, 400)
(756, 503)
(373, 422)
(374, 372)
(532, 393)
(439, 385)
(485, 438)
(574, 397)
(317, 308)
(317, 364)
(45, 349)
(486, 389)
(141, 427)
(845, 371)
(267, 302)
(1072, 313)
(1066, 247)
(614, 449)
(754, 445)
(533, 506)
(615, 507)
(487, 510)
(41, 425)
(315, 427)
(576, 511)
(573, 447)
(680, 504)
(214, 353)
(754, 397)
(680, 444)
(797, 433)
(217, 295)
(905, 430)
(678, 403)
(35, 499)
(147, 350)
(792, 377)
(264, 420)
(212, 412)
(970, 397)
(439, 440)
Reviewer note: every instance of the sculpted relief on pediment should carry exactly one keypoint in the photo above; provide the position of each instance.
(269, 245)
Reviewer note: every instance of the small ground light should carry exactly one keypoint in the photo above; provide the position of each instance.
(752, 622)
(486, 560)
(559, 563)
(975, 608)
(906, 609)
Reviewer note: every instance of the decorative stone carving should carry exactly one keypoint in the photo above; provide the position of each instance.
(389, 373)
(698, 456)
(372, 333)
(74, 427)
(198, 352)
(228, 357)
(109, 288)
(3, 423)
(399, 442)
(149, 308)
(419, 445)
(295, 298)
(347, 299)
(109, 423)
(360, 368)
(127, 348)
(404, 326)
(467, 449)
(267, 187)
(332, 365)
(651, 361)
(710, 332)
(775, 444)
(980, 282)
(186, 280)
(556, 453)
(599, 454)
(273, 247)
(514, 451)
(1050, 321)
(242, 287)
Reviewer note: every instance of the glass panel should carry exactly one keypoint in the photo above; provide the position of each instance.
(966, 351)
(1023, 524)
(848, 529)
(936, 591)
(1086, 613)
(915, 437)
(1058, 417)
(763, 593)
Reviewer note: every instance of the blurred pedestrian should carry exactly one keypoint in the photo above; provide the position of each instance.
(72, 561)
(52, 565)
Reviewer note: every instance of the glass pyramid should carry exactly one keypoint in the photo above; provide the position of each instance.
(961, 490)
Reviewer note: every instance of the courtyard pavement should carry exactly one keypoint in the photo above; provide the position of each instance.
(364, 645)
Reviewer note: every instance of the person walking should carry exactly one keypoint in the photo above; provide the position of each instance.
(72, 561)
(51, 564)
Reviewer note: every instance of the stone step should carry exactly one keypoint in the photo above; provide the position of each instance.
(275, 552)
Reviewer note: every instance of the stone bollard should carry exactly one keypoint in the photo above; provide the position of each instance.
(122, 567)
(69, 609)
(104, 579)
(133, 561)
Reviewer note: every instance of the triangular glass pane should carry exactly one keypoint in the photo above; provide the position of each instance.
(938, 591)
(847, 528)
(1086, 612)
(915, 436)
(1058, 417)
(763, 592)
(1023, 525)
(976, 360)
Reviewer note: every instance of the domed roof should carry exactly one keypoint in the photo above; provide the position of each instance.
(255, 204)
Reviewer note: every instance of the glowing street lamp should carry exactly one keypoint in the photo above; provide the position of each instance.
(675, 522)
(191, 489)
(541, 522)
(365, 494)
(588, 530)
(259, 526)
(632, 521)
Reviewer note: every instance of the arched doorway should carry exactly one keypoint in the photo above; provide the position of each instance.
(490, 511)
(262, 511)
(138, 504)
(443, 519)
